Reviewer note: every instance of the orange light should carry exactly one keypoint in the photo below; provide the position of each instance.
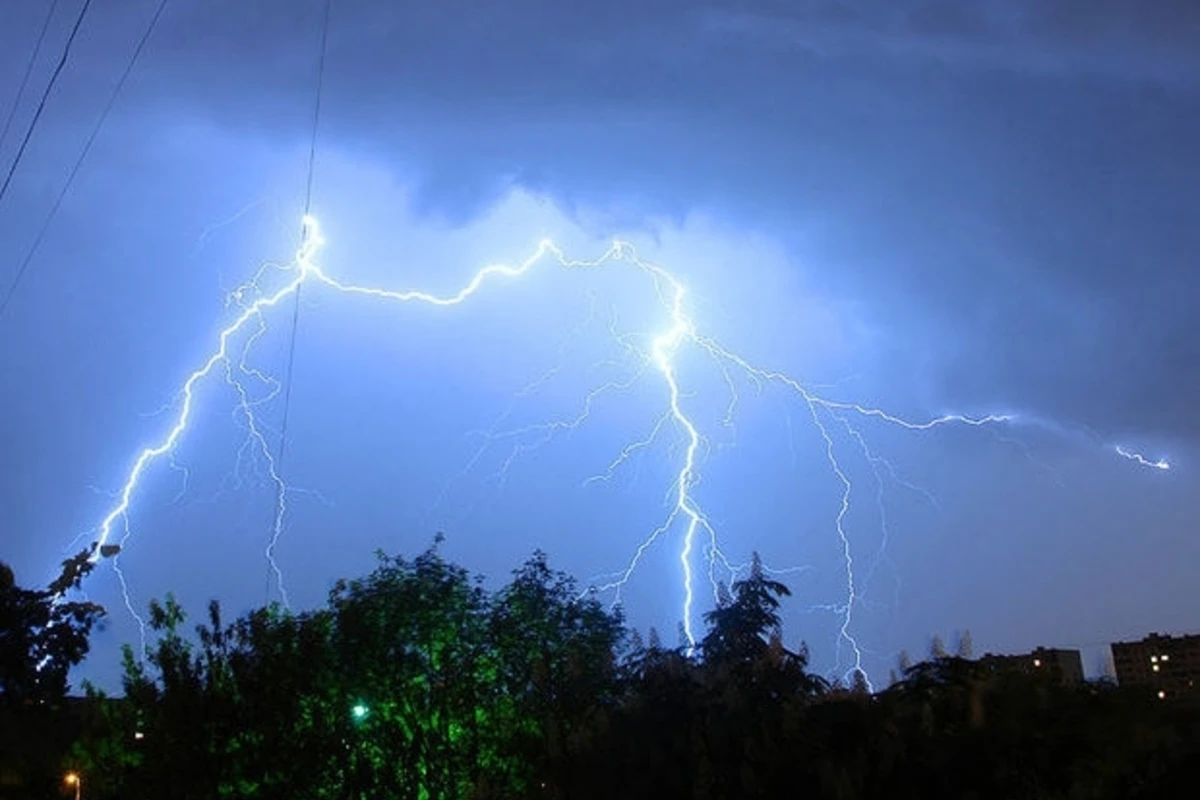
(71, 778)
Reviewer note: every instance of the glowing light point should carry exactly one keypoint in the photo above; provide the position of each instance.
(74, 780)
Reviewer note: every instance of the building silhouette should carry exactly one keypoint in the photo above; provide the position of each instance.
(1064, 667)
(1167, 665)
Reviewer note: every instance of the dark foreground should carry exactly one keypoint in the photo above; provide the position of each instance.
(415, 682)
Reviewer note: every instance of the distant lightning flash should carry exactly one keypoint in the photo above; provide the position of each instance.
(1138, 458)
(253, 388)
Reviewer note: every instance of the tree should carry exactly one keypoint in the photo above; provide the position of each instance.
(417, 643)
(416, 682)
(750, 690)
(965, 647)
(937, 649)
(384, 692)
(412, 682)
(42, 635)
(740, 626)
(557, 656)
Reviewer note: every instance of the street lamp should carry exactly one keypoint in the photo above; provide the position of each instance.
(73, 779)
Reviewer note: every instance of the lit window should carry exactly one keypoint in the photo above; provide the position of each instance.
(138, 735)
(1155, 667)
(1161, 694)
(1153, 659)
(1166, 658)
(1037, 662)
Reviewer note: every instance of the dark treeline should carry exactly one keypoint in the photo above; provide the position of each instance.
(416, 682)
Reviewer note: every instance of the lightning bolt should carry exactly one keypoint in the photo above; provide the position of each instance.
(252, 388)
(1138, 458)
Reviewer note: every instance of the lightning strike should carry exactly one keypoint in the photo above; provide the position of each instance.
(252, 388)
(1138, 458)
(879, 467)
(629, 451)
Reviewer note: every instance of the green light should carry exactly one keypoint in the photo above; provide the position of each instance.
(359, 711)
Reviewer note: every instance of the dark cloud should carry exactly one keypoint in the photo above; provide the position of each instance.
(969, 184)
(1130, 41)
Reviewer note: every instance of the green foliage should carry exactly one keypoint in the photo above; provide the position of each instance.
(412, 682)
(416, 682)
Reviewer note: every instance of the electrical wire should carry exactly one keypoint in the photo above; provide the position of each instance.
(87, 146)
(37, 49)
(295, 322)
(41, 106)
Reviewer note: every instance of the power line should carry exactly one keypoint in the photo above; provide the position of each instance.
(37, 49)
(41, 106)
(316, 120)
(87, 146)
(291, 360)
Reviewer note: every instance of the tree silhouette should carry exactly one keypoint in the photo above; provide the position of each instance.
(739, 627)
(937, 649)
(417, 682)
(42, 635)
(965, 648)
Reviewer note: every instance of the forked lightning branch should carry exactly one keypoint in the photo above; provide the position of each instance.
(699, 553)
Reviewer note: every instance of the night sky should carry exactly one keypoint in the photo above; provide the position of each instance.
(944, 207)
